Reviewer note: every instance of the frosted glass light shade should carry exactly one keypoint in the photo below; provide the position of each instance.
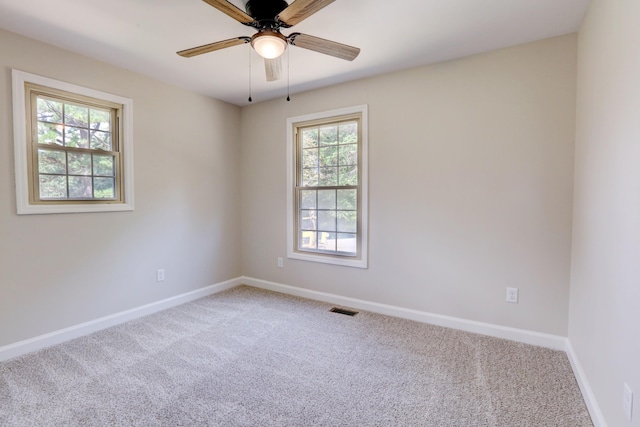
(268, 46)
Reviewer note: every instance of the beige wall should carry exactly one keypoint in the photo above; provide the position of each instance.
(471, 169)
(604, 325)
(61, 270)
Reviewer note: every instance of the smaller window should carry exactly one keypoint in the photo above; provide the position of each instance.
(327, 218)
(73, 147)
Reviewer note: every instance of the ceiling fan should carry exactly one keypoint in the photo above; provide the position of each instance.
(268, 17)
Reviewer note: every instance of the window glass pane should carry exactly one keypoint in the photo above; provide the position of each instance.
(104, 188)
(309, 138)
(349, 175)
(307, 240)
(103, 165)
(348, 133)
(310, 158)
(328, 176)
(80, 187)
(76, 137)
(308, 220)
(53, 187)
(347, 243)
(347, 221)
(327, 213)
(308, 199)
(100, 140)
(329, 156)
(309, 177)
(327, 220)
(49, 134)
(327, 199)
(52, 161)
(76, 115)
(79, 164)
(327, 241)
(49, 111)
(348, 154)
(100, 119)
(347, 199)
(329, 135)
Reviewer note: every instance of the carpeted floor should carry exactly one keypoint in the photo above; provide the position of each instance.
(248, 357)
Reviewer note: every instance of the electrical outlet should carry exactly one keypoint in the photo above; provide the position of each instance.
(512, 295)
(280, 262)
(627, 401)
(160, 275)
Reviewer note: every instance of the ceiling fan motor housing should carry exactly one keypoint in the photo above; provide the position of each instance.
(265, 9)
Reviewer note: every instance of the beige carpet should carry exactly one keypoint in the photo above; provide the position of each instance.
(248, 357)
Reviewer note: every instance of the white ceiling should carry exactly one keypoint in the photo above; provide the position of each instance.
(143, 36)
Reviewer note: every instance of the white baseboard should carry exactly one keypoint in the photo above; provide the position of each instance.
(520, 335)
(32, 344)
(585, 388)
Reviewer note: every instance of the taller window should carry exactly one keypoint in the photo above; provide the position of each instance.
(72, 146)
(328, 176)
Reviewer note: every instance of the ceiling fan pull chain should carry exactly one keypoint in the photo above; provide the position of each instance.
(288, 72)
(250, 100)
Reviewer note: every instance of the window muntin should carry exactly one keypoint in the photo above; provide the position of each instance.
(327, 187)
(74, 148)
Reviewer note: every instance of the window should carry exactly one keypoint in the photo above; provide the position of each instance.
(327, 215)
(73, 147)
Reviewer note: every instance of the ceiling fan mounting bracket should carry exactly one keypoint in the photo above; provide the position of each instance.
(282, 24)
(292, 38)
(268, 24)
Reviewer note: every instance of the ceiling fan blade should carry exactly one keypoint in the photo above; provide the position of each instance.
(327, 47)
(300, 10)
(273, 68)
(225, 7)
(188, 53)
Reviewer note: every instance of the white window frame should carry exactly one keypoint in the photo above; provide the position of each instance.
(361, 261)
(21, 158)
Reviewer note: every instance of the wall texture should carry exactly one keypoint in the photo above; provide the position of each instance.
(471, 174)
(61, 270)
(604, 325)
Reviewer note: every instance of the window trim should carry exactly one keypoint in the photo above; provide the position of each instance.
(361, 261)
(20, 116)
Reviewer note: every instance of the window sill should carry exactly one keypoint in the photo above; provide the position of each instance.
(30, 209)
(324, 259)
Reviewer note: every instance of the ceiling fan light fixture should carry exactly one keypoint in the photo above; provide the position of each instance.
(269, 44)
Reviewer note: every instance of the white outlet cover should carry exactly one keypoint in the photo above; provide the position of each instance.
(512, 295)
